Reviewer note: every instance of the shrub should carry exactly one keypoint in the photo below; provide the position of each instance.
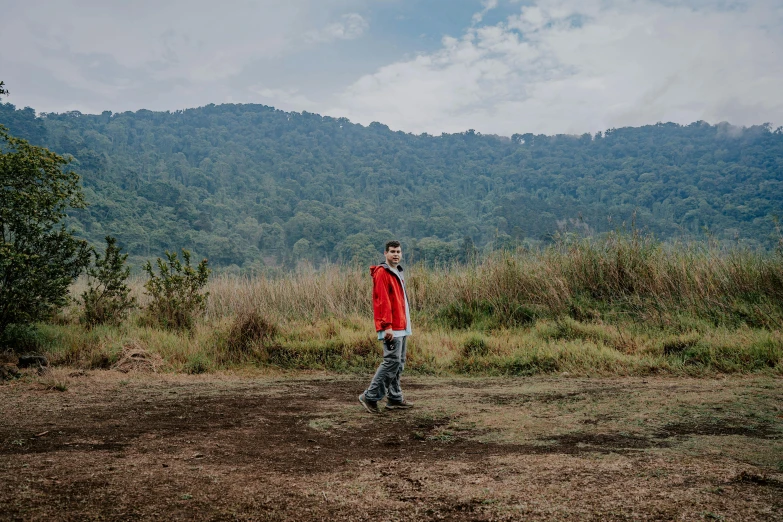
(21, 338)
(107, 299)
(176, 291)
(198, 363)
(249, 329)
(487, 315)
(457, 315)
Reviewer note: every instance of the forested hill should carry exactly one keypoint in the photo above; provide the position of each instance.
(252, 186)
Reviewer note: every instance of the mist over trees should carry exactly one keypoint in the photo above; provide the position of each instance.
(248, 186)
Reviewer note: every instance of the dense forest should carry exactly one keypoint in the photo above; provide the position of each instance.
(250, 187)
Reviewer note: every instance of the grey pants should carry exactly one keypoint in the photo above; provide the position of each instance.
(387, 379)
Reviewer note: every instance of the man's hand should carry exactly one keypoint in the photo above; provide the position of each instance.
(388, 334)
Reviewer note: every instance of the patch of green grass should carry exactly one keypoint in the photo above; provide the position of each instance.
(54, 383)
(483, 315)
(761, 354)
(443, 436)
(198, 362)
(322, 424)
(475, 345)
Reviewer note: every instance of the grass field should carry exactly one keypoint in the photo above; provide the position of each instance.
(624, 305)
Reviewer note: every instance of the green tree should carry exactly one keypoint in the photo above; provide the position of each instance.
(468, 253)
(358, 249)
(107, 299)
(200, 179)
(301, 250)
(39, 258)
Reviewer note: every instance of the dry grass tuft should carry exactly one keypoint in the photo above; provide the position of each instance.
(135, 358)
(248, 330)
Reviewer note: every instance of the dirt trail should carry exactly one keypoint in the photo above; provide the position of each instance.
(157, 448)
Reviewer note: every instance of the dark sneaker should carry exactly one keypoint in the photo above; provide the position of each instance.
(370, 406)
(398, 405)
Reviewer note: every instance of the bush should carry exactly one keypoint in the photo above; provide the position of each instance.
(249, 329)
(176, 292)
(107, 299)
(21, 339)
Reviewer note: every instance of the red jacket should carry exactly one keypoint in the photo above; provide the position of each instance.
(388, 299)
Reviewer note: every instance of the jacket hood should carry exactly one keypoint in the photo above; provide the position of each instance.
(382, 266)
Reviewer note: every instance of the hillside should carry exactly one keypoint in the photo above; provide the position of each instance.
(251, 186)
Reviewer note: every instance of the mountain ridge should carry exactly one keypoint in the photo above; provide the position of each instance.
(250, 186)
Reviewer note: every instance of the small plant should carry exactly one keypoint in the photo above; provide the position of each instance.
(55, 384)
(176, 291)
(107, 299)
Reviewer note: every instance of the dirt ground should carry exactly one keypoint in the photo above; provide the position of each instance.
(105, 445)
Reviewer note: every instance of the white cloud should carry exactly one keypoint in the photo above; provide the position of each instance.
(350, 27)
(105, 54)
(177, 37)
(284, 99)
(487, 5)
(585, 65)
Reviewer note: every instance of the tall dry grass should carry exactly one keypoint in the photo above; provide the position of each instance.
(619, 274)
(622, 304)
(331, 292)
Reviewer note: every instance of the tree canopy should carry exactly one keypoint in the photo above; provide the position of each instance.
(251, 186)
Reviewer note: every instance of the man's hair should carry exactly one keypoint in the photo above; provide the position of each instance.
(392, 244)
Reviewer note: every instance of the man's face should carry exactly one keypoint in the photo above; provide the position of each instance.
(393, 256)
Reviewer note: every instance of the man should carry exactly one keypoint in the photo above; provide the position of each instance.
(393, 324)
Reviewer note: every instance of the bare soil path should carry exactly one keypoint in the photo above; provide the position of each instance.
(162, 447)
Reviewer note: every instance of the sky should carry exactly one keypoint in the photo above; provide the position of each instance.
(495, 66)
